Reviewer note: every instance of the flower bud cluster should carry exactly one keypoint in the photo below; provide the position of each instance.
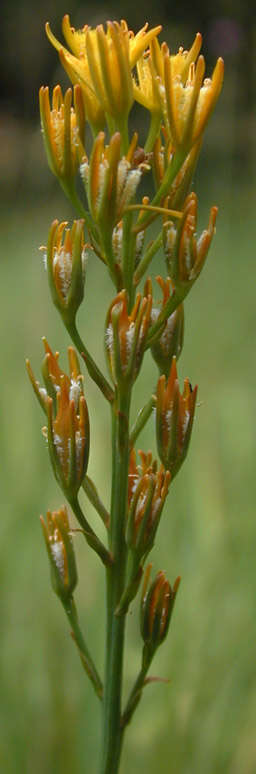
(111, 180)
(102, 62)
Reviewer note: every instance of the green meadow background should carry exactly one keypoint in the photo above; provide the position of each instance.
(203, 721)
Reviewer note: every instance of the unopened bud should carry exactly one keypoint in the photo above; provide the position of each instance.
(170, 342)
(66, 263)
(61, 554)
(146, 504)
(126, 336)
(185, 253)
(63, 131)
(156, 608)
(174, 419)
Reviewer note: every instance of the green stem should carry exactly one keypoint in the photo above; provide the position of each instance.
(112, 731)
(91, 366)
(163, 190)
(128, 256)
(153, 132)
(109, 258)
(135, 695)
(87, 661)
(71, 194)
(151, 250)
(89, 534)
(92, 494)
(167, 310)
(141, 420)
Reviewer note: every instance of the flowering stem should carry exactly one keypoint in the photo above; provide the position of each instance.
(91, 366)
(112, 731)
(85, 656)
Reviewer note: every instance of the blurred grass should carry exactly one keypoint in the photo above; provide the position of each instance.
(204, 721)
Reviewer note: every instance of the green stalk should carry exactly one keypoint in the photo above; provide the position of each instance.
(89, 534)
(154, 128)
(128, 256)
(150, 251)
(169, 176)
(136, 692)
(141, 420)
(112, 730)
(92, 494)
(91, 366)
(85, 656)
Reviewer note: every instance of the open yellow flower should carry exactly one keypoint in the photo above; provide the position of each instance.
(188, 105)
(150, 71)
(102, 61)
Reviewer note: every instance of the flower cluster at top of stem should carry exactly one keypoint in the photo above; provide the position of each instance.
(100, 167)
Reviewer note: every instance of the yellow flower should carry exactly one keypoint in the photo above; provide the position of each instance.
(77, 69)
(150, 71)
(146, 91)
(102, 63)
(181, 61)
(188, 106)
(63, 129)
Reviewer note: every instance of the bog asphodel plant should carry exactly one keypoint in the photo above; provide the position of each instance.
(86, 134)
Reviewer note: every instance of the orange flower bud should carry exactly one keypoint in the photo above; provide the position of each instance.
(157, 604)
(61, 554)
(66, 263)
(170, 343)
(52, 376)
(185, 253)
(110, 181)
(126, 336)
(174, 419)
(149, 492)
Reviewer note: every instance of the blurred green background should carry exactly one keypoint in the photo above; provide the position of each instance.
(203, 722)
